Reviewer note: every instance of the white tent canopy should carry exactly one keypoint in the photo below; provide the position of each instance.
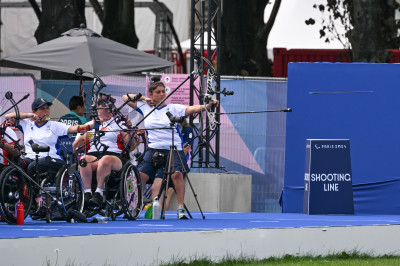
(185, 45)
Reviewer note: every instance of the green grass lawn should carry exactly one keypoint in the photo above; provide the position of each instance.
(335, 259)
(339, 259)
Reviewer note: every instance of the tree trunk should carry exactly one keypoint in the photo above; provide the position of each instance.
(231, 45)
(35, 8)
(244, 37)
(119, 22)
(58, 17)
(97, 8)
(258, 63)
(374, 30)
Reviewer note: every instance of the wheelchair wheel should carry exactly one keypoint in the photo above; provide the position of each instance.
(131, 191)
(69, 191)
(14, 188)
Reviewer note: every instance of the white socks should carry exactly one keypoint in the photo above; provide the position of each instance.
(100, 190)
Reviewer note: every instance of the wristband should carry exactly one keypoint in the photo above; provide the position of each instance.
(83, 128)
(96, 125)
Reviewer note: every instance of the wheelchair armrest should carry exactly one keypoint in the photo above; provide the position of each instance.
(36, 148)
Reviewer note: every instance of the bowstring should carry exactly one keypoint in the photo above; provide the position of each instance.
(212, 124)
(2, 104)
(124, 118)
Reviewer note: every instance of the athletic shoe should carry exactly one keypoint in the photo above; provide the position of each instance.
(182, 213)
(87, 198)
(96, 201)
(40, 214)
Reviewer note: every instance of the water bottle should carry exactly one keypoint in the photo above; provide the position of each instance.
(156, 208)
(20, 213)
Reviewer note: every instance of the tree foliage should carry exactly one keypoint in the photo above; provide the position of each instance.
(244, 37)
(335, 21)
(366, 27)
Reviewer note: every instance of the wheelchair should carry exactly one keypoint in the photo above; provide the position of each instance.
(14, 188)
(122, 194)
(62, 191)
(67, 188)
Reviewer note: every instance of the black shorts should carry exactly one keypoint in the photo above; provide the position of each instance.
(120, 156)
(147, 166)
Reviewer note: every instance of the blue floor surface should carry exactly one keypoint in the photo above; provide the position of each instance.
(213, 221)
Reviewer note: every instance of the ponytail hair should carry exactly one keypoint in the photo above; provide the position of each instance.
(154, 83)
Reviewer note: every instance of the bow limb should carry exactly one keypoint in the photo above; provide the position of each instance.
(209, 126)
(9, 96)
(118, 116)
(105, 100)
(15, 122)
(135, 137)
(98, 85)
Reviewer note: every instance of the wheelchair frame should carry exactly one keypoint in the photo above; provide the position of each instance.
(122, 193)
(16, 185)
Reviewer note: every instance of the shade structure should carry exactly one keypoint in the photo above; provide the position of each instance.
(85, 49)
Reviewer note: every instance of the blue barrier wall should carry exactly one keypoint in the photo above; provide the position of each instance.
(356, 101)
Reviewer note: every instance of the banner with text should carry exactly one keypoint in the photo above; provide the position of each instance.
(328, 181)
(173, 81)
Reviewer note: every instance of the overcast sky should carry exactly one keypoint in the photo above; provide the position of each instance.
(290, 31)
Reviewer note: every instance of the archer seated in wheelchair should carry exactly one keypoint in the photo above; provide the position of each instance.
(56, 192)
(36, 127)
(41, 131)
(8, 150)
(106, 150)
